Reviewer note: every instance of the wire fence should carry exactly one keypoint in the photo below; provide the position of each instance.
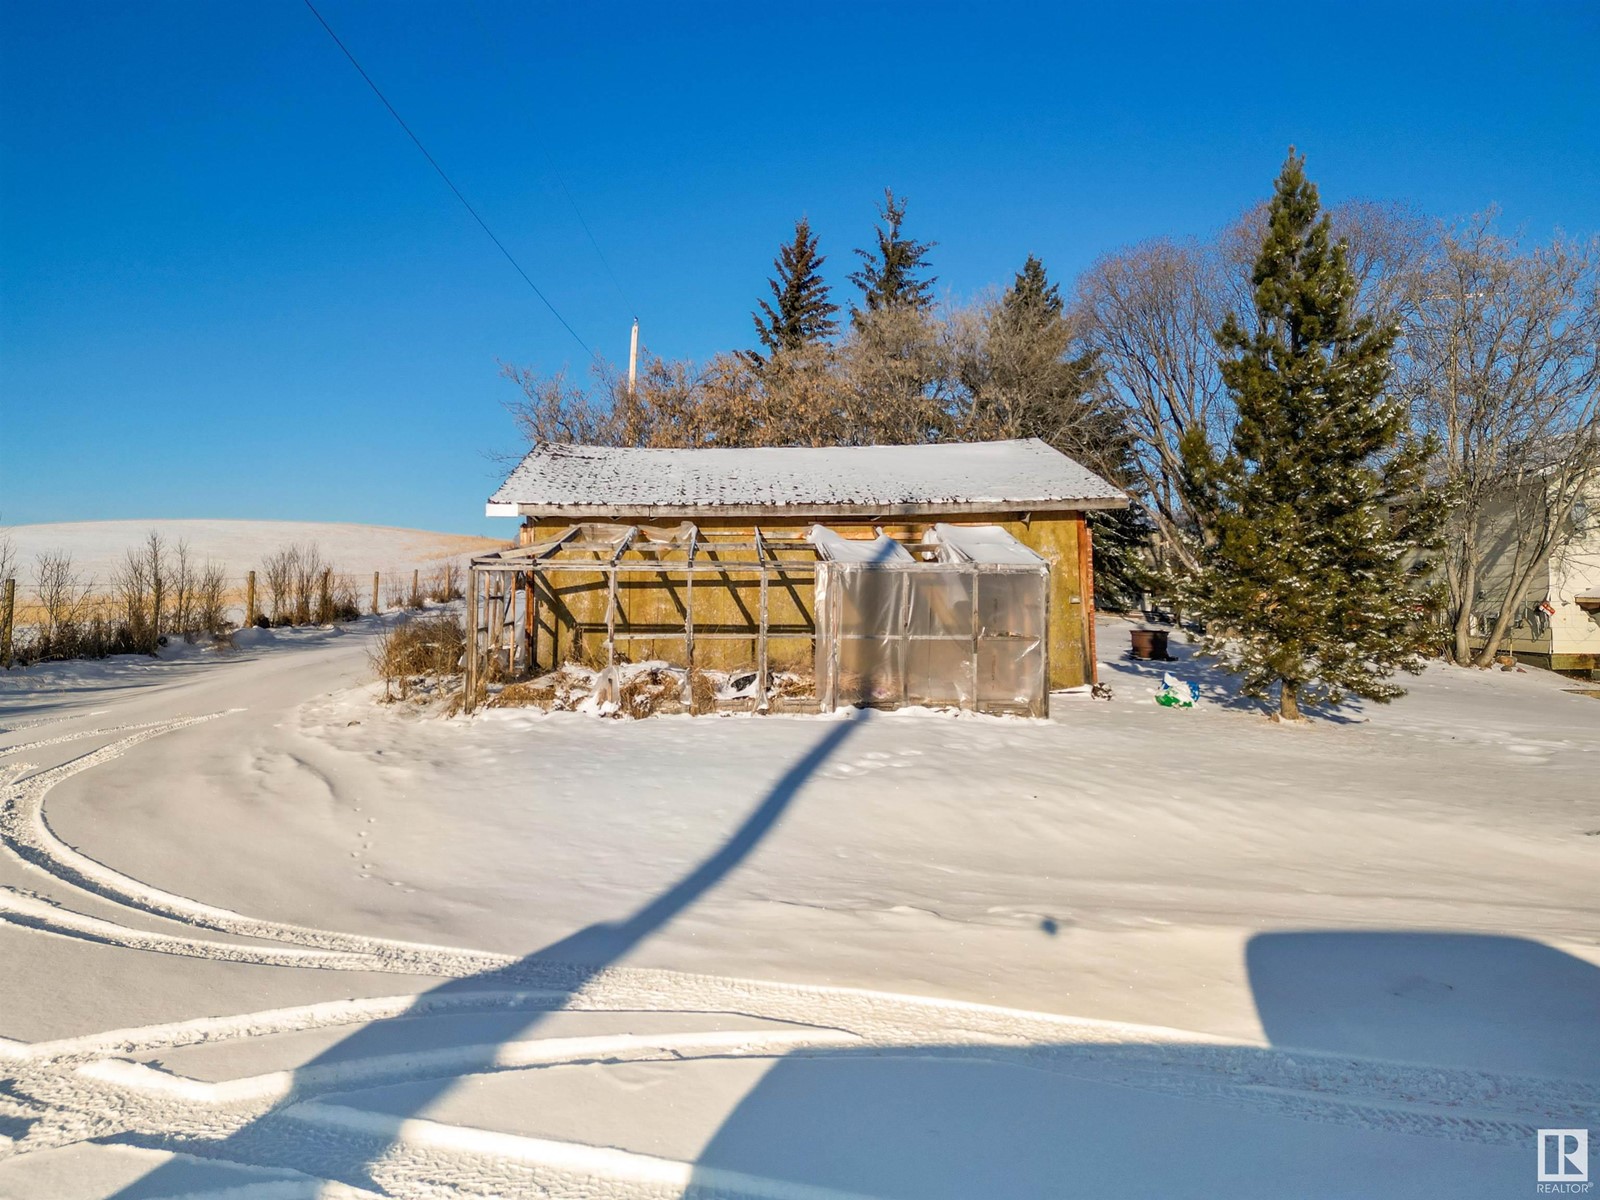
(57, 614)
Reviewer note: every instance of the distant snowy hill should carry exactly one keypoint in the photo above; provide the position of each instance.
(98, 547)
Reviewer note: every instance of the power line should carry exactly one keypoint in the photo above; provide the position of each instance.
(494, 46)
(621, 295)
(465, 203)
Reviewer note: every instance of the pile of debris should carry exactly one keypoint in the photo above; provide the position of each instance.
(648, 689)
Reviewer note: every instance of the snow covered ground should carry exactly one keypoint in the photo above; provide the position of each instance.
(258, 932)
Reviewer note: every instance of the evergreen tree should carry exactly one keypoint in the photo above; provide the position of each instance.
(1310, 581)
(1032, 295)
(1026, 376)
(804, 311)
(888, 275)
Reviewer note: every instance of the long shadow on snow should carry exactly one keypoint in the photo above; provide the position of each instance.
(947, 1122)
(564, 965)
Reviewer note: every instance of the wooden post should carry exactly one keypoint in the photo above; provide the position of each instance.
(611, 633)
(530, 625)
(416, 588)
(470, 682)
(761, 630)
(8, 612)
(325, 596)
(1086, 584)
(494, 617)
(250, 600)
(375, 593)
(688, 624)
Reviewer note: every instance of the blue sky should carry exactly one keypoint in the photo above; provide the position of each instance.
(230, 287)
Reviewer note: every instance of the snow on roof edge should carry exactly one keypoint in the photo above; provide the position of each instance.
(574, 479)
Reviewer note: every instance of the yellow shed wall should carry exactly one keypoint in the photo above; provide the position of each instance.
(572, 612)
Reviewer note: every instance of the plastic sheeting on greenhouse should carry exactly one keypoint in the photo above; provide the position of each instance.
(960, 623)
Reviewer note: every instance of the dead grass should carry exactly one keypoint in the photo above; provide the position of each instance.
(648, 693)
(562, 690)
(794, 683)
(533, 693)
(421, 653)
(702, 693)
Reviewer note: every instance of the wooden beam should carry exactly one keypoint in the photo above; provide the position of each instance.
(1091, 668)
(688, 619)
(761, 635)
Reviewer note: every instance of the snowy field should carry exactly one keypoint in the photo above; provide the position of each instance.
(260, 933)
(98, 548)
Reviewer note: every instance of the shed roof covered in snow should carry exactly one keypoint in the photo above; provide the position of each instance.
(558, 479)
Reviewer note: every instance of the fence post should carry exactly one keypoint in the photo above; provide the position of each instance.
(416, 588)
(250, 600)
(469, 682)
(8, 612)
(374, 593)
(325, 600)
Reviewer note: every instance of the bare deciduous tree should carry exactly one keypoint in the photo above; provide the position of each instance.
(141, 586)
(1503, 366)
(1150, 314)
(210, 599)
(64, 604)
(8, 556)
(306, 583)
(277, 577)
(181, 584)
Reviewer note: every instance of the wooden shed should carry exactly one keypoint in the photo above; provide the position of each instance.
(710, 558)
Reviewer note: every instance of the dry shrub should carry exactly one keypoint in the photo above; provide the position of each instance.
(140, 584)
(702, 692)
(66, 612)
(396, 589)
(533, 693)
(211, 600)
(647, 693)
(343, 602)
(277, 578)
(445, 584)
(306, 583)
(420, 653)
(561, 690)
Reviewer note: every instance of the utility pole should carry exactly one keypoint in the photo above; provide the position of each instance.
(633, 356)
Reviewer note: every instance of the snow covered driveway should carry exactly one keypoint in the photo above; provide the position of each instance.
(257, 932)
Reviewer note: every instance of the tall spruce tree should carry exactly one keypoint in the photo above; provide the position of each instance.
(803, 311)
(1032, 294)
(1311, 583)
(1071, 412)
(888, 275)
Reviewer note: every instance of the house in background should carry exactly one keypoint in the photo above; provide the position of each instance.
(954, 573)
(1558, 624)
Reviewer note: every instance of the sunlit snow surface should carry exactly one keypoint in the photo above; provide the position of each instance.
(259, 932)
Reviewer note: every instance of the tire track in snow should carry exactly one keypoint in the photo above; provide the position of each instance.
(72, 1089)
(1455, 1104)
(26, 834)
(22, 725)
(7, 751)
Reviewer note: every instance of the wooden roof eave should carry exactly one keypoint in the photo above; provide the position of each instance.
(809, 512)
